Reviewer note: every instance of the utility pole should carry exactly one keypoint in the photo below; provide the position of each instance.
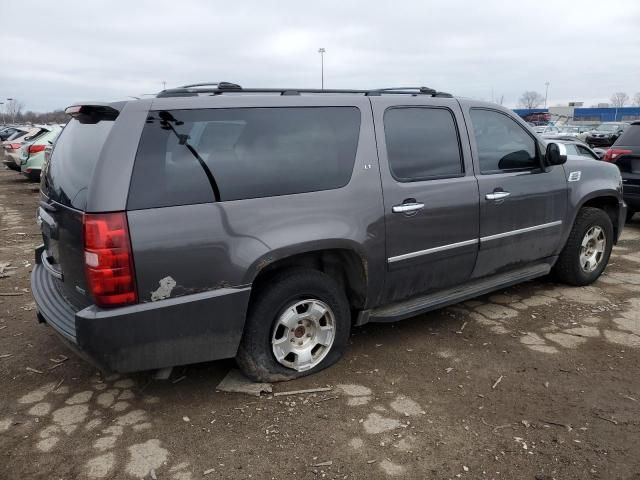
(546, 94)
(164, 85)
(4, 122)
(321, 51)
(13, 113)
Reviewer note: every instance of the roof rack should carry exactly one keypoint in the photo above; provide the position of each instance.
(218, 88)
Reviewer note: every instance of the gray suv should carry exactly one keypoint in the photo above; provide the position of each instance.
(263, 224)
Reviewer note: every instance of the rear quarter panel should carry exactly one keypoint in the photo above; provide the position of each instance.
(215, 245)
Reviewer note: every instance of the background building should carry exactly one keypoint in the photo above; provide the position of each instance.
(575, 113)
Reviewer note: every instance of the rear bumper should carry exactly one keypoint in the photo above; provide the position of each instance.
(11, 164)
(176, 331)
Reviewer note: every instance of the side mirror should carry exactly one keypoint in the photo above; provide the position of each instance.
(556, 154)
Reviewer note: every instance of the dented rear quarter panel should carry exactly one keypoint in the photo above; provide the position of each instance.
(226, 244)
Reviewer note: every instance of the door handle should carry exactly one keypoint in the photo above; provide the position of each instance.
(497, 195)
(407, 207)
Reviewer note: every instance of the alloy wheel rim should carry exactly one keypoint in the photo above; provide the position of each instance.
(303, 334)
(592, 249)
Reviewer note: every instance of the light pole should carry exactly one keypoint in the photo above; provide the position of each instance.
(164, 85)
(546, 93)
(13, 113)
(321, 52)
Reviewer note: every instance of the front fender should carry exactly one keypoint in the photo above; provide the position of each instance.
(597, 181)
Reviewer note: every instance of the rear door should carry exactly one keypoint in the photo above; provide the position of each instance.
(430, 194)
(522, 205)
(65, 184)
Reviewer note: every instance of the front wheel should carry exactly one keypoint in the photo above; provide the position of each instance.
(298, 324)
(587, 250)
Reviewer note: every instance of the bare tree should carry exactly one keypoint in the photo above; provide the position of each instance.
(636, 99)
(13, 108)
(618, 99)
(531, 99)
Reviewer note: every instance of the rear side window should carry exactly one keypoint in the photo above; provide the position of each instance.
(67, 176)
(630, 136)
(192, 156)
(503, 144)
(422, 143)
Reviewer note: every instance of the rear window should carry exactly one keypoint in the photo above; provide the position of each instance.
(67, 176)
(193, 156)
(630, 137)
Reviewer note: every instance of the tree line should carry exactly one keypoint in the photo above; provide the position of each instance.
(12, 111)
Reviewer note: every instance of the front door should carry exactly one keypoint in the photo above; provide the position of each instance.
(522, 205)
(430, 194)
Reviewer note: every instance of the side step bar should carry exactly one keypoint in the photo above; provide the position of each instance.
(417, 305)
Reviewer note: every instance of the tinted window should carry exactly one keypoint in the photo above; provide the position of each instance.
(186, 155)
(422, 143)
(630, 137)
(503, 145)
(67, 176)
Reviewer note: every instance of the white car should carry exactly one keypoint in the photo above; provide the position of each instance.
(546, 130)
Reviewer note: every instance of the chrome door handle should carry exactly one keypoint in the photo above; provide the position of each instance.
(497, 195)
(407, 207)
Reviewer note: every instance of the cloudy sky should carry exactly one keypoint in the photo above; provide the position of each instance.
(62, 51)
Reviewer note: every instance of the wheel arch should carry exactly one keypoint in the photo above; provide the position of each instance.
(342, 261)
(609, 203)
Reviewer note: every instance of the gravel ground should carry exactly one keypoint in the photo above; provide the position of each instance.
(539, 381)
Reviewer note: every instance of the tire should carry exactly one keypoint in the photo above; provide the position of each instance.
(569, 268)
(630, 214)
(274, 303)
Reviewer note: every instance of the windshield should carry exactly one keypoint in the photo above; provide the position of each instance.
(608, 127)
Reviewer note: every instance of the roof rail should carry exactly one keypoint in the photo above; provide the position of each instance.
(219, 88)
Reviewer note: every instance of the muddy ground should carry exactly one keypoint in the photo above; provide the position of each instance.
(539, 381)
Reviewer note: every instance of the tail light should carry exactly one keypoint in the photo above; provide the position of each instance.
(14, 146)
(36, 148)
(613, 153)
(109, 260)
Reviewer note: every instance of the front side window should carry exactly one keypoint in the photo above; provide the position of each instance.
(422, 143)
(199, 156)
(503, 145)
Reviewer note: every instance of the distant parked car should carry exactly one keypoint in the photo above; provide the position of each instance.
(605, 134)
(32, 154)
(7, 132)
(576, 131)
(546, 130)
(577, 150)
(625, 153)
(10, 149)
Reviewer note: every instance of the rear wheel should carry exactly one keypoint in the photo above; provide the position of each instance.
(297, 325)
(587, 250)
